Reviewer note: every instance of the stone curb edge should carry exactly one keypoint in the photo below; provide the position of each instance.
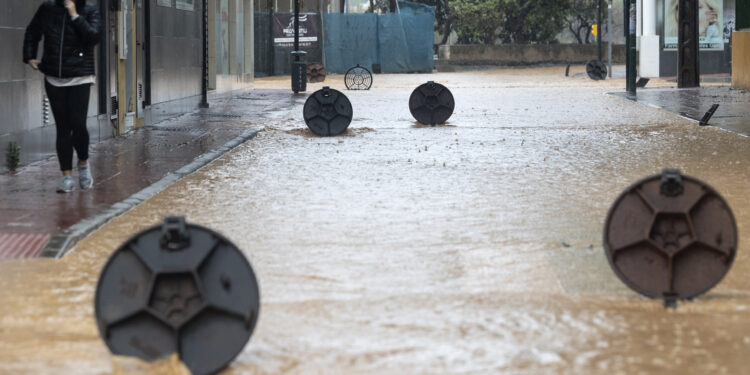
(63, 242)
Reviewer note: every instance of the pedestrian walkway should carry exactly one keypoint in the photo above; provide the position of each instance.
(733, 113)
(34, 219)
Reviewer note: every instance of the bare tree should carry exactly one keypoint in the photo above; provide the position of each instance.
(582, 17)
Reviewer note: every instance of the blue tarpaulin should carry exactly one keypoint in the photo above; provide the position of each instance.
(400, 42)
(350, 39)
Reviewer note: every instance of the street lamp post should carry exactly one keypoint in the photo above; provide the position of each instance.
(630, 11)
(609, 37)
(299, 76)
(204, 67)
(296, 28)
(599, 29)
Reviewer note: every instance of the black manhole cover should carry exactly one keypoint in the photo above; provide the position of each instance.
(596, 70)
(327, 112)
(178, 288)
(431, 103)
(358, 78)
(670, 236)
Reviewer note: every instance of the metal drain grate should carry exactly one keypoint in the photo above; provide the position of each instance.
(178, 129)
(216, 115)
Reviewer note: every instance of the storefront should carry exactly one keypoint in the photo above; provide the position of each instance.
(149, 67)
(717, 21)
(274, 34)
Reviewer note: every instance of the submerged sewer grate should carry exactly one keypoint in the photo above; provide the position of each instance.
(186, 129)
(216, 115)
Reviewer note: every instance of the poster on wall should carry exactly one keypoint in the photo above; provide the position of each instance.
(223, 25)
(164, 3)
(185, 4)
(283, 29)
(730, 17)
(712, 23)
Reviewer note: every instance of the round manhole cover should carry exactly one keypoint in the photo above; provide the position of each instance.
(327, 112)
(316, 73)
(431, 103)
(596, 70)
(358, 78)
(670, 236)
(178, 288)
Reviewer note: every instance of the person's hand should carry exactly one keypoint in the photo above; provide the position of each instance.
(70, 5)
(34, 64)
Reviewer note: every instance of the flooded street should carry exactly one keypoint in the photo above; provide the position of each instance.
(396, 248)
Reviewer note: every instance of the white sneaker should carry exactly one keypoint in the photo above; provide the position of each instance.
(67, 185)
(84, 176)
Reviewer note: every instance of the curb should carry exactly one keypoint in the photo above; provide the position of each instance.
(63, 242)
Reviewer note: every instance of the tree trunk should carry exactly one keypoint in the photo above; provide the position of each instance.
(447, 34)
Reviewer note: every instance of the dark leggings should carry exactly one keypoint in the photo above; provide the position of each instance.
(70, 106)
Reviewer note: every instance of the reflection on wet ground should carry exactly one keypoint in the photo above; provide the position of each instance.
(472, 248)
(31, 208)
(733, 113)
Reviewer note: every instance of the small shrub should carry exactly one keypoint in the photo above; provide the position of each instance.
(13, 156)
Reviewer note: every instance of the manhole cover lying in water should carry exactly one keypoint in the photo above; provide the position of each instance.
(316, 72)
(178, 288)
(431, 103)
(327, 112)
(670, 236)
(596, 70)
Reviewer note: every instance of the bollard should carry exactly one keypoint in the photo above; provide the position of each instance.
(670, 236)
(358, 78)
(178, 288)
(327, 112)
(596, 70)
(431, 103)
(316, 73)
(299, 72)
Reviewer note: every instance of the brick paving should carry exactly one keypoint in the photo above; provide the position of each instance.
(31, 211)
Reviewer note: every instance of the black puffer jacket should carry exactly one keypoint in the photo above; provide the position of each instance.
(68, 44)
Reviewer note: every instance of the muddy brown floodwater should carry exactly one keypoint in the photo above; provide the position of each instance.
(469, 248)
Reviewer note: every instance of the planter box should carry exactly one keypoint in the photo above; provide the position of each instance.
(741, 60)
(525, 54)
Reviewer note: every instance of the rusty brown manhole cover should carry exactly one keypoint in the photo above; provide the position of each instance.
(670, 236)
(316, 72)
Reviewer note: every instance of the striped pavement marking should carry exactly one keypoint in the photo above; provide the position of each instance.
(22, 245)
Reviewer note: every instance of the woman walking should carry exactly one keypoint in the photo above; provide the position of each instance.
(71, 30)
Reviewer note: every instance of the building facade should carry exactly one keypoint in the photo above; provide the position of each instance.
(149, 67)
(657, 28)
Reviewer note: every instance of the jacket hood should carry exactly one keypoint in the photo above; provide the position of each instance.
(79, 3)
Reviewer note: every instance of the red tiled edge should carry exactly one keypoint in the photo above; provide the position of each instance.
(20, 245)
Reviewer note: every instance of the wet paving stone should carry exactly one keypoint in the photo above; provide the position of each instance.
(121, 167)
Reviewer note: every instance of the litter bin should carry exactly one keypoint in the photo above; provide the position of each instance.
(299, 71)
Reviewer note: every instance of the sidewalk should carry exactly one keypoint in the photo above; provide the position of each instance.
(36, 221)
(733, 113)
